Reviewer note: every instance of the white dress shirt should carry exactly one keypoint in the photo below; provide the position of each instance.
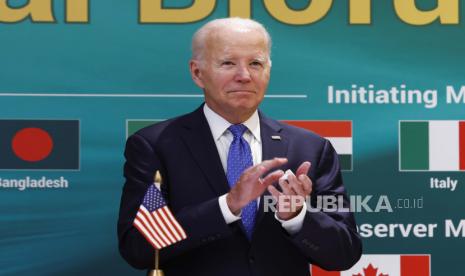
(223, 139)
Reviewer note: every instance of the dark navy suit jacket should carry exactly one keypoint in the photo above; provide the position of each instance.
(184, 151)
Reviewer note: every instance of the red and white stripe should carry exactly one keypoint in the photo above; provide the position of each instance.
(160, 227)
(339, 133)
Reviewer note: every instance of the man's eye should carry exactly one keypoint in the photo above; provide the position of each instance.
(256, 64)
(227, 63)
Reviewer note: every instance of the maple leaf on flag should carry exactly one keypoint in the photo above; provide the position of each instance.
(370, 270)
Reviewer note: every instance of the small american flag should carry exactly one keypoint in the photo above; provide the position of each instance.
(156, 222)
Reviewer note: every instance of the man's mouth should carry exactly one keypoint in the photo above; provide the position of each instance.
(241, 91)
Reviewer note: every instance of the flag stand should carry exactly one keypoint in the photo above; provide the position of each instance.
(157, 272)
(153, 206)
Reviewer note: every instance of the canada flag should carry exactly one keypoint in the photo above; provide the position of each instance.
(383, 265)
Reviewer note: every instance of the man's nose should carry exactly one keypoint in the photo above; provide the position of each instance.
(242, 74)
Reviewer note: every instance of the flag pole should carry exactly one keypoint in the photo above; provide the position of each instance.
(156, 271)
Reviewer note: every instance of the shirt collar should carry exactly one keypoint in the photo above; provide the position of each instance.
(218, 125)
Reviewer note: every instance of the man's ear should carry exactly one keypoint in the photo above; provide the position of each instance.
(196, 74)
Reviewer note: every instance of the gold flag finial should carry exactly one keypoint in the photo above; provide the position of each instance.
(157, 179)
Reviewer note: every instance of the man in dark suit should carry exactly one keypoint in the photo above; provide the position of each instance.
(216, 183)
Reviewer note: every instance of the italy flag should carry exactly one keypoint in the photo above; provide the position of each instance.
(383, 265)
(432, 145)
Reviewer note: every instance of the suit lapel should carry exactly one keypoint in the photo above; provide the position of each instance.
(198, 138)
(274, 142)
(272, 147)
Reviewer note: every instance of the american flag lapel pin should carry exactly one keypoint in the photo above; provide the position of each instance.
(276, 137)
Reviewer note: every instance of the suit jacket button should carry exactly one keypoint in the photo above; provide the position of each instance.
(251, 259)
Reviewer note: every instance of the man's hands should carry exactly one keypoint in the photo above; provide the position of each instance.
(250, 185)
(294, 192)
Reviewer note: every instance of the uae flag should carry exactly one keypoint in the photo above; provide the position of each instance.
(39, 144)
(133, 125)
(339, 133)
(432, 145)
(383, 265)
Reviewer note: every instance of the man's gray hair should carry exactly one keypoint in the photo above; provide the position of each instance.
(200, 37)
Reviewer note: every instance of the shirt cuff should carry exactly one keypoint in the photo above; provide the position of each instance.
(293, 225)
(229, 217)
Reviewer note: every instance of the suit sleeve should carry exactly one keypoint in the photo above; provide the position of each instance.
(142, 162)
(329, 239)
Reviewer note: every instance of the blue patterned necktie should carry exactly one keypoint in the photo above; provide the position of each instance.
(239, 159)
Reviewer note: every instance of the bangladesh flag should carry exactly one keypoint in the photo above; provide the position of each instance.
(39, 144)
(432, 145)
(132, 125)
(339, 133)
(383, 265)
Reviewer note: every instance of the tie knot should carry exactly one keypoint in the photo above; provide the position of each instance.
(237, 130)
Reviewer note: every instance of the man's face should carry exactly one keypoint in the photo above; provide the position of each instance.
(234, 73)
